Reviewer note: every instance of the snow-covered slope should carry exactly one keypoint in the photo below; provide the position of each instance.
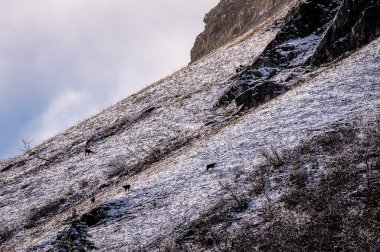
(160, 141)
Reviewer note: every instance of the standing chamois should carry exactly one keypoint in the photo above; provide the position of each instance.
(127, 187)
(210, 166)
(87, 150)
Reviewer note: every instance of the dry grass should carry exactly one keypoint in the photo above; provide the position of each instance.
(6, 233)
(330, 200)
(40, 215)
(83, 184)
(119, 167)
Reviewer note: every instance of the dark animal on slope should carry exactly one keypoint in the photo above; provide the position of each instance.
(209, 166)
(127, 187)
(92, 199)
(87, 151)
(87, 142)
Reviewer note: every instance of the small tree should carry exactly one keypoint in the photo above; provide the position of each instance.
(26, 145)
(74, 238)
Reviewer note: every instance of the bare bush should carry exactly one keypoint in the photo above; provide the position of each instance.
(240, 201)
(6, 233)
(83, 184)
(298, 177)
(41, 214)
(117, 169)
(26, 145)
(259, 180)
(153, 155)
(273, 157)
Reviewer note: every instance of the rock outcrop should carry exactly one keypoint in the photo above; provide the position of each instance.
(357, 23)
(316, 33)
(232, 18)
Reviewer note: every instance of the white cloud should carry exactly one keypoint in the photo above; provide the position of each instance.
(64, 110)
(50, 49)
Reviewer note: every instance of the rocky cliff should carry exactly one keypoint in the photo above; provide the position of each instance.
(270, 143)
(231, 19)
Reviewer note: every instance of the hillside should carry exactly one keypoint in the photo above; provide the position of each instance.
(231, 19)
(268, 143)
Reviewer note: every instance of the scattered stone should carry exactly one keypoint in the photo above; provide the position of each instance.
(209, 123)
(102, 186)
(13, 165)
(149, 110)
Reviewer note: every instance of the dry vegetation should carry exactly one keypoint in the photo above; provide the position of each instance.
(119, 167)
(329, 191)
(6, 233)
(42, 214)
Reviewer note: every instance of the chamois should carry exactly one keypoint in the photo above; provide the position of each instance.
(92, 199)
(87, 151)
(209, 166)
(127, 187)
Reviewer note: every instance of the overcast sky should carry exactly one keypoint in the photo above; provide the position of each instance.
(64, 60)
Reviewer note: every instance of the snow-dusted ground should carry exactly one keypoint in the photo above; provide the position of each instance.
(183, 106)
(178, 189)
(183, 189)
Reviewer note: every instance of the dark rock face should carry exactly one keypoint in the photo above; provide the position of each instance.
(317, 32)
(260, 94)
(230, 19)
(288, 52)
(357, 23)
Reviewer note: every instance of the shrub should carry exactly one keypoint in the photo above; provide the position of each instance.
(38, 216)
(6, 233)
(83, 184)
(117, 168)
(272, 156)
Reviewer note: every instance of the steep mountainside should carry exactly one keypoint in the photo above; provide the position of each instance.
(231, 19)
(270, 142)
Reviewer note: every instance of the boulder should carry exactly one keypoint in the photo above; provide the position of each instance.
(259, 94)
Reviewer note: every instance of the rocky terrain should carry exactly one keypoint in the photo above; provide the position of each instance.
(269, 141)
(231, 19)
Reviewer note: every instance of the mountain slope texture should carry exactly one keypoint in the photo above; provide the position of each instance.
(269, 140)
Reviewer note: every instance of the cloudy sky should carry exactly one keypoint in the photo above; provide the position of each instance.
(63, 60)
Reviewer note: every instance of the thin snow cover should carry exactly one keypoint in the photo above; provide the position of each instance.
(178, 189)
(182, 102)
(305, 48)
(182, 189)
